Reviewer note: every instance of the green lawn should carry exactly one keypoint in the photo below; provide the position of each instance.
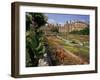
(77, 44)
(81, 38)
(82, 51)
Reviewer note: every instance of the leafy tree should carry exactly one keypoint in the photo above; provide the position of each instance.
(84, 31)
(28, 21)
(35, 37)
(35, 19)
(40, 19)
(55, 29)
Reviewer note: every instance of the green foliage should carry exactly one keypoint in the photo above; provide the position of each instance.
(28, 21)
(31, 43)
(35, 19)
(55, 29)
(40, 48)
(40, 19)
(84, 31)
(34, 38)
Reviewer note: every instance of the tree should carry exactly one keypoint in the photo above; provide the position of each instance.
(28, 20)
(40, 19)
(35, 37)
(84, 31)
(35, 19)
(55, 29)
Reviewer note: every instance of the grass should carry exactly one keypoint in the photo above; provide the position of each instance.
(81, 51)
(80, 38)
(70, 48)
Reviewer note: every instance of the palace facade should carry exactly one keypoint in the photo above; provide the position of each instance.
(67, 27)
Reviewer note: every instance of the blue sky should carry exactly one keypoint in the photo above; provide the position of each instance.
(62, 18)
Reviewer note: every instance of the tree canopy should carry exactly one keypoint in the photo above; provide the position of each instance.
(35, 20)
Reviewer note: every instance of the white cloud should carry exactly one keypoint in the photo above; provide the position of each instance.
(51, 21)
